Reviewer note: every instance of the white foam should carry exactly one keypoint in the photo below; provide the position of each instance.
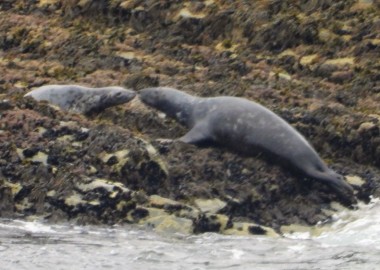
(27, 226)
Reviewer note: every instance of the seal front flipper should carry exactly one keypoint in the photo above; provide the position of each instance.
(197, 135)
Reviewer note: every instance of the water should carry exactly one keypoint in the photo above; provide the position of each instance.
(352, 242)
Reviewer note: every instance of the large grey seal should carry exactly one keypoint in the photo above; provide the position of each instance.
(246, 127)
(82, 99)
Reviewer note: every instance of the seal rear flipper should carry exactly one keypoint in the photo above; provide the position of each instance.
(197, 135)
(336, 181)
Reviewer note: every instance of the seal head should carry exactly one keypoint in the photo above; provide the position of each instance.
(82, 99)
(245, 127)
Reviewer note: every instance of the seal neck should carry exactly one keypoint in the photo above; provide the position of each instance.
(181, 109)
(174, 103)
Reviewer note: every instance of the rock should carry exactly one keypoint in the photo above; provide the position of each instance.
(109, 186)
(244, 228)
(14, 188)
(366, 126)
(309, 60)
(33, 156)
(226, 46)
(44, 4)
(363, 5)
(326, 35)
(5, 105)
(186, 13)
(306, 231)
(341, 62)
(327, 68)
(341, 76)
(120, 157)
(211, 223)
(211, 206)
(160, 202)
(6, 200)
(75, 201)
(168, 223)
(355, 180)
(140, 81)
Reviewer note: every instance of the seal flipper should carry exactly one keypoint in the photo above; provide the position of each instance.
(336, 181)
(197, 135)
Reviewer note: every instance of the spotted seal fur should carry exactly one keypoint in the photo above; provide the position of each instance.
(245, 127)
(82, 99)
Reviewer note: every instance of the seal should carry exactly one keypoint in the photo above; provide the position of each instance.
(82, 99)
(245, 127)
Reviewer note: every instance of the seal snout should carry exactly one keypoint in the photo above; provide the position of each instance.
(127, 94)
(120, 96)
(150, 96)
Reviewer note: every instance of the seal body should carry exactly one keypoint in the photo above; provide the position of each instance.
(246, 127)
(82, 99)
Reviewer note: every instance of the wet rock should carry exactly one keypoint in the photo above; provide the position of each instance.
(160, 202)
(7, 207)
(294, 228)
(243, 228)
(168, 223)
(211, 223)
(210, 206)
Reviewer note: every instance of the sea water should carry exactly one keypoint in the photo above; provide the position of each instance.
(351, 242)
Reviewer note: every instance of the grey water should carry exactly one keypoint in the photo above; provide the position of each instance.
(351, 242)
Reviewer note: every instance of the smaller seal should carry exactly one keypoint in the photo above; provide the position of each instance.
(248, 128)
(82, 99)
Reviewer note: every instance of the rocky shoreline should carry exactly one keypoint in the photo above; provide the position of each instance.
(316, 65)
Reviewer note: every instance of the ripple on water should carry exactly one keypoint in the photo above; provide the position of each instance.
(349, 243)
